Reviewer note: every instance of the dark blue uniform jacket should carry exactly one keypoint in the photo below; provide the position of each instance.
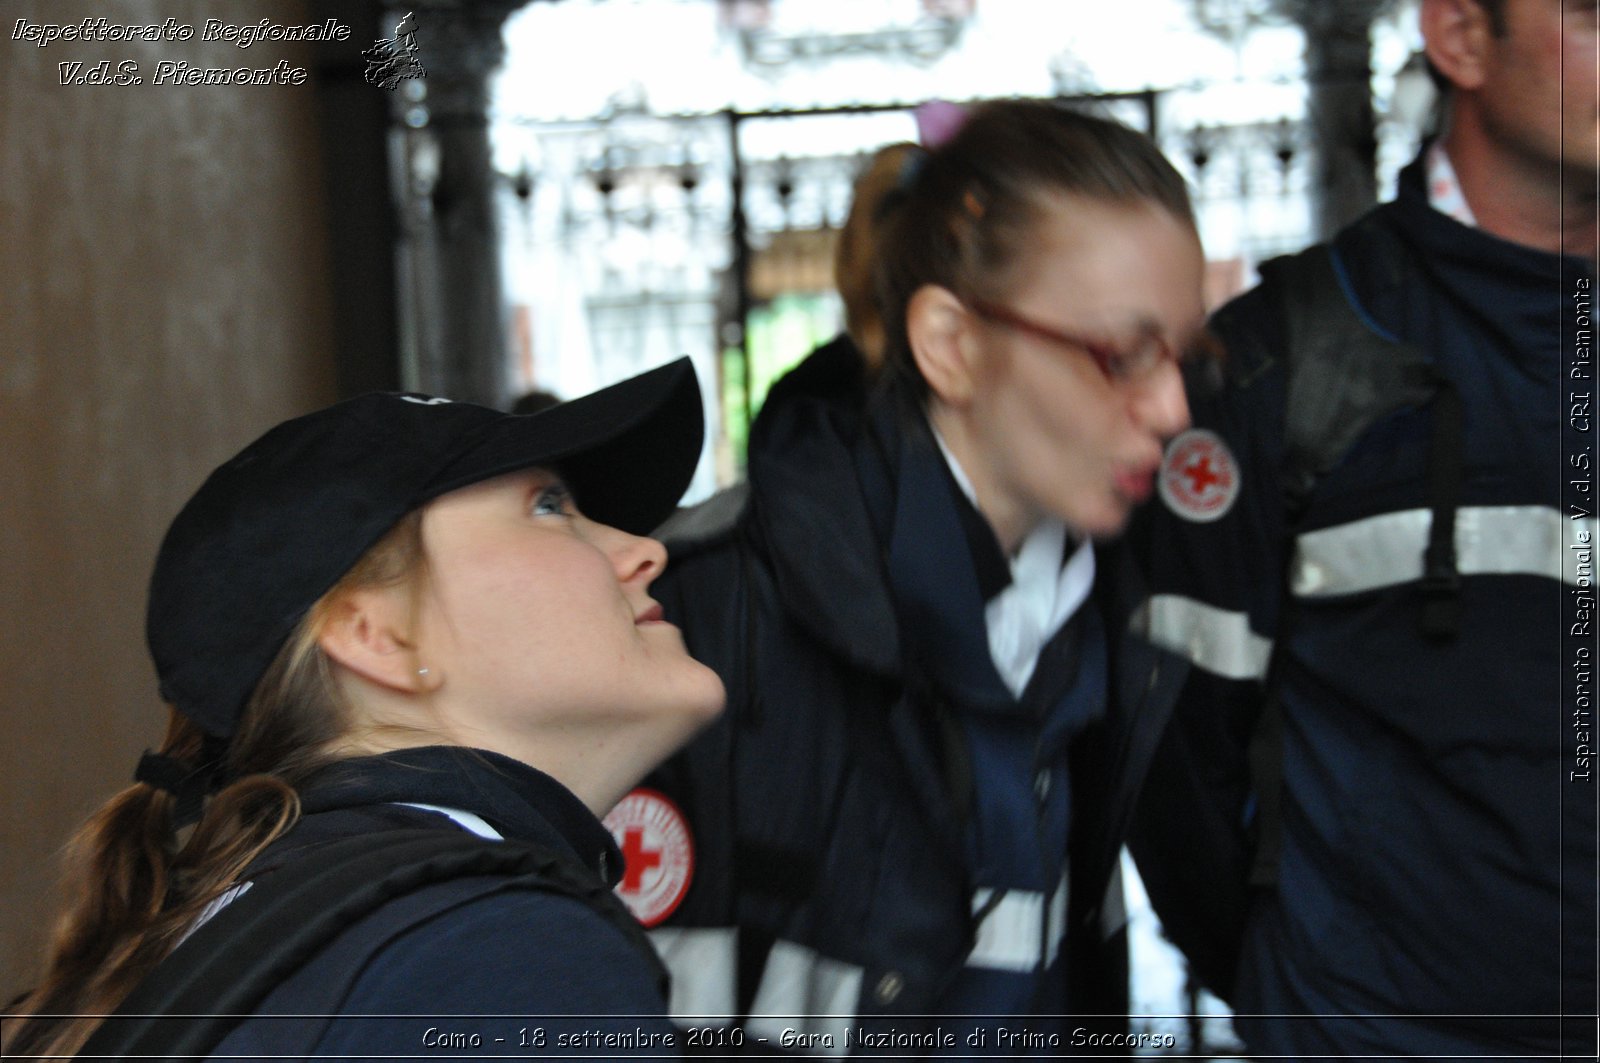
(465, 967)
(1436, 888)
(873, 789)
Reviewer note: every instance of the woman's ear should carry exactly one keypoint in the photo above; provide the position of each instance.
(943, 343)
(365, 631)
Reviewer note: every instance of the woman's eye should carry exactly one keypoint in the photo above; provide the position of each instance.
(553, 501)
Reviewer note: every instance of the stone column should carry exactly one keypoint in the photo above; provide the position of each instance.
(1344, 139)
(452, 310)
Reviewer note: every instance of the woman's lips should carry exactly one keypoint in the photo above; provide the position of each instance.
(1135, 484)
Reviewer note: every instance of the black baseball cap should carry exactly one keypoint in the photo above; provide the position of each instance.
(272, 530)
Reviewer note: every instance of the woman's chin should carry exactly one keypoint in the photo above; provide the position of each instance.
(711, 697)
(1100, 524)
(698, 698)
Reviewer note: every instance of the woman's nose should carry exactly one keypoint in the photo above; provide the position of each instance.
(638, 558)
(1159, 404)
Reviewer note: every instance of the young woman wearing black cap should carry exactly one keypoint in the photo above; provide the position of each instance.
(399, 615)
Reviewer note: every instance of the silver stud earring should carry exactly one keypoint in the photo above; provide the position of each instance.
(422, 672)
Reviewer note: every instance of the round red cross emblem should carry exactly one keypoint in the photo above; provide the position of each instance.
(1199, 478)
(657, 854)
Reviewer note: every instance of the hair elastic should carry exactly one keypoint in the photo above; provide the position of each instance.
(188, 783)
(911, 168)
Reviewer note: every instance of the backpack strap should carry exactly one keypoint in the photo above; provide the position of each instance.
(1441, 582)
(228, 966)
(1343, 375)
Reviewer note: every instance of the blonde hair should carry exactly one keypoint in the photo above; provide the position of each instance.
(134, 883)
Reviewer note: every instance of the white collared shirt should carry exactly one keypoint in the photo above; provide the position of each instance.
(1043, 593)
(1444, 188)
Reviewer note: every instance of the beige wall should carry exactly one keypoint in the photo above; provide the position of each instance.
(162, 301)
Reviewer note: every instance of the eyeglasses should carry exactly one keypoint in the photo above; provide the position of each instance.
(1147, 354)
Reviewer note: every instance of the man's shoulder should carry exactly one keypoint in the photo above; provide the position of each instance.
(1251, 329)
(1307, 294)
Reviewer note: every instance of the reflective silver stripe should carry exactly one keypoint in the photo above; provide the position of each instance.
(470, 821)
(703, 962)
(806, 992)
(1387, 549)
(1217, 640)
(1010, 934)
(215, 905)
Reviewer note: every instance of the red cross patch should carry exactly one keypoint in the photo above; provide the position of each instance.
(657, 854)
(1199, 478)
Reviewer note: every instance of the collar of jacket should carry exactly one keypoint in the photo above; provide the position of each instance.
(866, 534)
(931, 561)
(1511, 291)
(519, 801)
(825, 454)
(810, 506)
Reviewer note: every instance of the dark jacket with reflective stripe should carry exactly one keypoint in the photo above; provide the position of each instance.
(1438, 849)
(828, 804)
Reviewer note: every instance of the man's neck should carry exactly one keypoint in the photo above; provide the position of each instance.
(1545, 207)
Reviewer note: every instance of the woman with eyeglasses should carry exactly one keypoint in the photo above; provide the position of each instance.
(937, 717)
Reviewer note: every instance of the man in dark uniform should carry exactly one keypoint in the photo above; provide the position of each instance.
(1404, 860)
